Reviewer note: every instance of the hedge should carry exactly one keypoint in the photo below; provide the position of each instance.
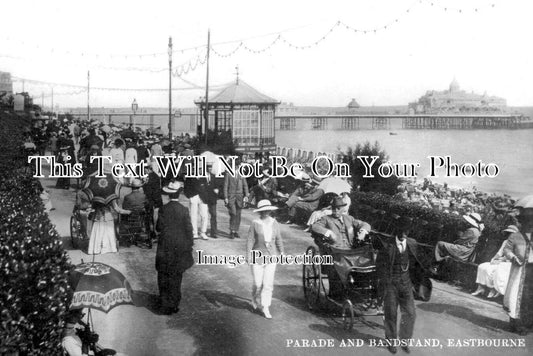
(34, 291)
(428, 225)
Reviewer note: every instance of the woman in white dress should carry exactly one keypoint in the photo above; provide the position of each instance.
(264, 236)
(103, 238)
(117, 152)
(493, 275)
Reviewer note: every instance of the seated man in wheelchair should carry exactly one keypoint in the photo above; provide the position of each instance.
(137, 222)
(338, 233)
(341, 231)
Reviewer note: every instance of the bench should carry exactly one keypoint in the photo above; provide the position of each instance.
(463, 272)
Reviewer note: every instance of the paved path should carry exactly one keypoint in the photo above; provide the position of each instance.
(216, 319)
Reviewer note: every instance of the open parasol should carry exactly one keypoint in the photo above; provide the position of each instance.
(99, 286)
(158, 131)
(102, 190)
(525, 202)
(218, 166)
(334, 185)
(106, 129)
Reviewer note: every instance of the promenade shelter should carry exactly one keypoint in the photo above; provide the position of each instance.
(243, 112)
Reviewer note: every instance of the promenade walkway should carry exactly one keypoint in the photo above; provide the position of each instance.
(215, 317)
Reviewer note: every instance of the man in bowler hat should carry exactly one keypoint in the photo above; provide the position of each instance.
(174, 249)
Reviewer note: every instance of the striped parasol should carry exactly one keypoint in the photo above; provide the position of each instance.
(99, 286)
(102, 190)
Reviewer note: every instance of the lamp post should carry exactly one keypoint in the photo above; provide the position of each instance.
(134, 108)
(170, 88)
(177, 114)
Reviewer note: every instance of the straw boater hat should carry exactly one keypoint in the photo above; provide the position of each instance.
(173, 187)
(473, 219)
(511, 228)
(264, 205)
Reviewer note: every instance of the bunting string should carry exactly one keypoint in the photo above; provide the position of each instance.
(241, 43)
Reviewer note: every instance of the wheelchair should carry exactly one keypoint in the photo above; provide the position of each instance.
(352, 283)
(134, 229)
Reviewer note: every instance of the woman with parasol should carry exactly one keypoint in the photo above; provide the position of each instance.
(104, 194)
(96, 286)
(519, 292)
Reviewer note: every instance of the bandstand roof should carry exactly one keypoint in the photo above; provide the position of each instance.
(239, 92)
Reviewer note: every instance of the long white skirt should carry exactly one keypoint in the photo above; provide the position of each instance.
(501, 277)
(103, 239)
(494, 275)
(485, 273)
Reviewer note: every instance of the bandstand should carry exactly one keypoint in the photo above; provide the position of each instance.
(245, 113)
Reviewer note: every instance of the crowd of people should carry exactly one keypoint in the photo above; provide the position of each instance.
(453, 200)
(155, 200)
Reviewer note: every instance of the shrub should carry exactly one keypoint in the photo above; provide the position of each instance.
(429, 225)
(357, 170)
(33, 289)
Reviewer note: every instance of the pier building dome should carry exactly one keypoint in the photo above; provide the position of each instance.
(454, 86)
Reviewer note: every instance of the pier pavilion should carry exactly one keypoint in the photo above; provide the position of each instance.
(243, 112)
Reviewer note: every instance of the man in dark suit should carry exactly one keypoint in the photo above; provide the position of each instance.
(66, 155)
(152, 190)
(212, 196)
(402, 277)
(235, 196)
(174, 250)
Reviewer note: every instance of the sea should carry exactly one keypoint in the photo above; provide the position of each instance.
(510, 150)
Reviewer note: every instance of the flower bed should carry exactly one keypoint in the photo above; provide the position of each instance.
(33, 289)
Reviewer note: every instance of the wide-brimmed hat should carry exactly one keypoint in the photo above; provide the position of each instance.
(264, 205)
(173, 187)
(473, 219)
(338, 202)
(511, 228)
(72, 316)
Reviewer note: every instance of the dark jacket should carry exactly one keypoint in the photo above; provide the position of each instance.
(351, 227)
(419, 274)
(196, 186)
(235, 189)
(134, 201)
(212, 184)
(174, 249)
(152, 190)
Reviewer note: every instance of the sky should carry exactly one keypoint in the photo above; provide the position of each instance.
(418, 45)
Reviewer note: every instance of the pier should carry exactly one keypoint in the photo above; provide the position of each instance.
(396, 122)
